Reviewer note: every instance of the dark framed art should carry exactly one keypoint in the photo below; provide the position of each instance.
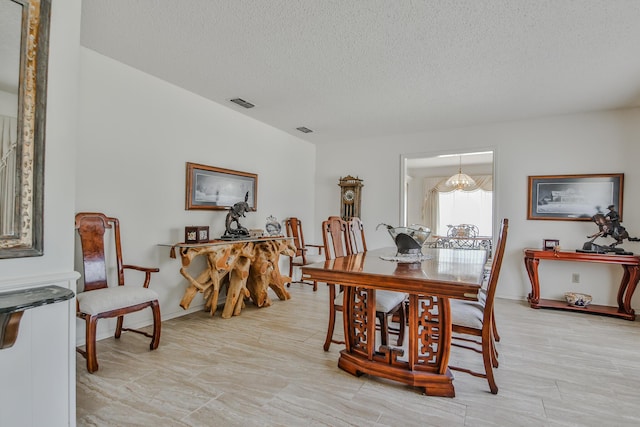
(211, 188)
(574, 197)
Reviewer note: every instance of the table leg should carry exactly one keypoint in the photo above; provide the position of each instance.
(429, 341)
(627, 287)
(531, 265)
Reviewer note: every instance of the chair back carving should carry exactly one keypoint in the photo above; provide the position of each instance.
(91, 228)
(294, 229)
(335, 235)
(356, 235)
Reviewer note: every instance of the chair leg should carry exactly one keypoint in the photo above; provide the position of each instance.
(119, 326)
(290, 272)
(401, 324)
(332, 317)
(157, 325)
(494, 327)
(384, 330)
(487, 356)
(92, 358)
(494, 353)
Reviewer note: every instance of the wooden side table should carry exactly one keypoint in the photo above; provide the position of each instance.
(630, 264)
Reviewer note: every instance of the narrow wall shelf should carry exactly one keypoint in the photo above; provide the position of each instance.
(14, 303)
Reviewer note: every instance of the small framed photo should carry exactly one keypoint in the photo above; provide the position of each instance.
(196, 234)
(550, 244)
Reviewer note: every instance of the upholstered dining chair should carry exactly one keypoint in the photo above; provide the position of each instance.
(477, 319)
(303, 255)
(337, 243)
(99, 300)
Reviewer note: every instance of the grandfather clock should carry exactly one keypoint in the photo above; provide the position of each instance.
(350, 195)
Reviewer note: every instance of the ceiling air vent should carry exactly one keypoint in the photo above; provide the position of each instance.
(241, 102)
(304, 129)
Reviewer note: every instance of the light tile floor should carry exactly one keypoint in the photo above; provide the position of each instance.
(267, 367)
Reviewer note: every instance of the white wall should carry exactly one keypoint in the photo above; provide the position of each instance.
(39, 370)
(8, 104)
(136, 133)
(587, 143)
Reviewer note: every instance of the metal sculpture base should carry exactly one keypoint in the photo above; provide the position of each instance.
(237, 236)
(593, 248)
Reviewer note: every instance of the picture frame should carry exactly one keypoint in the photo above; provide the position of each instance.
(573, 197)
(196, 234)
(550, 244)
(212, 188)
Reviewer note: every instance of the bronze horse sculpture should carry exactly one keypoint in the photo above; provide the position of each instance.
(608, 225)
(238, 210)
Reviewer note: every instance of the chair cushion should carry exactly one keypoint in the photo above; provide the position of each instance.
(482, 297)
(466, 313)
(388, 300)
(107, 299)
(385, 300)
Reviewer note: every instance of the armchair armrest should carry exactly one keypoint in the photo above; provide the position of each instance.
(146, 270)
(319, 247)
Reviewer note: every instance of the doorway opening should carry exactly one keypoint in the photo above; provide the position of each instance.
(428, 200)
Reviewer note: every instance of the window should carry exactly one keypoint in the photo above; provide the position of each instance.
(465, 207)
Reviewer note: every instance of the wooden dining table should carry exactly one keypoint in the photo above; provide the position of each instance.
(423, 359)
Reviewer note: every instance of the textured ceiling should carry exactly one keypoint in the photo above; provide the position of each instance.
(351, 69)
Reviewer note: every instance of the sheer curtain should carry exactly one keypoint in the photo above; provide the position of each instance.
(8, 143)
(435, 185)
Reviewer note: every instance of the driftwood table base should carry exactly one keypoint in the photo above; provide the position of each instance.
(247, 268)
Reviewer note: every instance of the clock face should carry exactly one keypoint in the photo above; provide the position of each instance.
(349, 195)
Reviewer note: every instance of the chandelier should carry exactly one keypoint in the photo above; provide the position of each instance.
(460, 180)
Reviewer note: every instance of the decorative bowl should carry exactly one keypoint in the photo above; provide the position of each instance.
(409, 240)
(577, 299)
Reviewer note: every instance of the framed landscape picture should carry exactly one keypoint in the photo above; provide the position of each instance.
(574, 197)
(212, 188)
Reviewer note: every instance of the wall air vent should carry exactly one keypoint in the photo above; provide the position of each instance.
(304, 129)
(241, 102)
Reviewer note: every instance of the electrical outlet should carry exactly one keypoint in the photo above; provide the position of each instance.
(575, 278)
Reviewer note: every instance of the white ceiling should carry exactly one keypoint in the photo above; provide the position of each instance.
(351, 69)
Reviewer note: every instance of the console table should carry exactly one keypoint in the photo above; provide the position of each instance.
(629, 263)
(249, 267)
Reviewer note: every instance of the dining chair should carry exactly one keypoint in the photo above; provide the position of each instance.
(98, 300)
(477, 319)
(302, 256)
(337, 243)
(356, 235)
(463, 231)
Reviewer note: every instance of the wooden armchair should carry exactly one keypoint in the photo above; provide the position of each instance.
(98, 300)
(337, 243)
(302, 256)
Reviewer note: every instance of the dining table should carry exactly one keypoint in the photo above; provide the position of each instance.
(429, 279)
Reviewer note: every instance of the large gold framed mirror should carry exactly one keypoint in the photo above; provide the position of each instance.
(24, 45)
